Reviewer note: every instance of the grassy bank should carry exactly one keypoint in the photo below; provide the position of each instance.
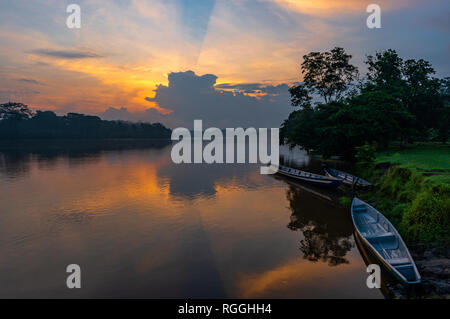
(429, 160)
(412, 189)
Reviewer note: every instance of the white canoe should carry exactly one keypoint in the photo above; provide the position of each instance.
(384, 241)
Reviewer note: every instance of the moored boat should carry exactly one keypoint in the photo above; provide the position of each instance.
(384, 242)
(347, 178)
(311, 178)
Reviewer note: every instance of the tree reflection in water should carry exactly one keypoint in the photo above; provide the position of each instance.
(16, 156)
(327, 229)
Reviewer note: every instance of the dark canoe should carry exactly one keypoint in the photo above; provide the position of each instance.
(384, 242)
(311, 178)
(347, 178)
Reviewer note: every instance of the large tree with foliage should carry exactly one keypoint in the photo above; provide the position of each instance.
(384, 69)
(14, 111)
(398, 101)
(413, 83)
(326, 74)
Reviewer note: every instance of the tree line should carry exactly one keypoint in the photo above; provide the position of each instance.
(339, 111)
(17, 121)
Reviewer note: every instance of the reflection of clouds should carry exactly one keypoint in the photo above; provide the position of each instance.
(256, 285)
(68, 218)
(158, 257)
(141, 238)
(198, 180)
(152, 170)
(186, 181)
(296, 277)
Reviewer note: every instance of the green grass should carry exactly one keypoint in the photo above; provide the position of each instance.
(429, 160)
(413, 192)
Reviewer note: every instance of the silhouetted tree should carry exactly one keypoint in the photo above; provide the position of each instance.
(14, 111)
(327, 74)
(19, 122)
(384, 69)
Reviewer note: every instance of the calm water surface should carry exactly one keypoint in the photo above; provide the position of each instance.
(141, 226)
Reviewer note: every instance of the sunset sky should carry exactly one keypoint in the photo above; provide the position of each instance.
(241, 54)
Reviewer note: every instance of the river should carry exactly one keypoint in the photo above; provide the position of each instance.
(140, 226)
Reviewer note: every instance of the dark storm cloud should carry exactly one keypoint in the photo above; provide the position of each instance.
(192, 97)
(66, 54)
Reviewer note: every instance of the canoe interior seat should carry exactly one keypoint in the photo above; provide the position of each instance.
(407, 270)
(362, 217)
(367, 224)
(381, 236)
(400, 262)
(386, 241)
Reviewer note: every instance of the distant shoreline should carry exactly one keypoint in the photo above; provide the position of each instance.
(40, 145)
(2, 140)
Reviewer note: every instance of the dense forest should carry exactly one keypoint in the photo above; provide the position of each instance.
(17, 121)
(340, 113)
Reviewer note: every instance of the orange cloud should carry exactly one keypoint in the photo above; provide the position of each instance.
(333, 7)
(139, 43)
(256, 52)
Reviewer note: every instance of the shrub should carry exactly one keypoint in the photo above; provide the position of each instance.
(401, 184)
(428, 217)
(419, 210)
(365, 153)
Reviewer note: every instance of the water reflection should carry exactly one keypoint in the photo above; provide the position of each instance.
(141, 226)
(16, 156)
(202, 179)
(326, 233)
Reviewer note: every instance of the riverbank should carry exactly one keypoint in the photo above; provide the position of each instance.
(412, 189)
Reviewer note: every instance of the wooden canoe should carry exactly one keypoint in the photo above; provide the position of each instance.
(347, 178)
(384, 242)
(311, 178)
